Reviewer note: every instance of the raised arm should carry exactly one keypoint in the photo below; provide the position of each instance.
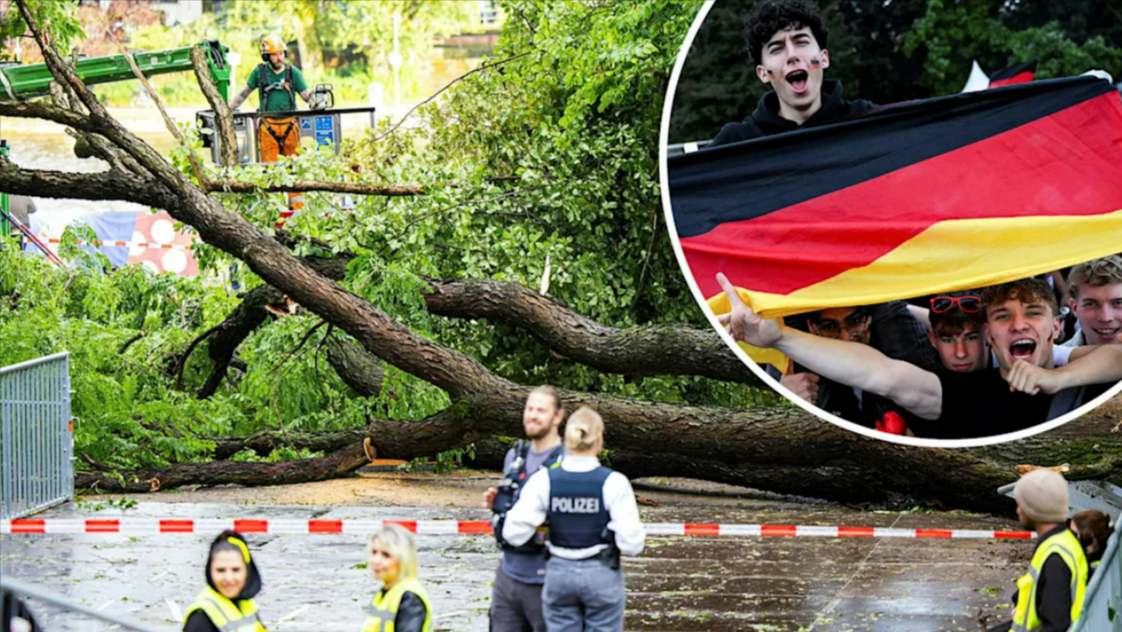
(1101, 365)
(848, 363)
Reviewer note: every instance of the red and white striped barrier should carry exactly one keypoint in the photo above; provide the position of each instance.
(146, 526)
(126, 244)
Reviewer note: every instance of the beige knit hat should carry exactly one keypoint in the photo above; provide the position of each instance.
(1042, 496)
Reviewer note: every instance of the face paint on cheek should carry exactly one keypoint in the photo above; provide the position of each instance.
(771, 73)
(815, 62)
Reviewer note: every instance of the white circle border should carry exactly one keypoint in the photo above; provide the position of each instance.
(664, 187)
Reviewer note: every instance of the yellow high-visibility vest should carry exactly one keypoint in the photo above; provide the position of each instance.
(225, 614)
(1067, 546)
(383, 608)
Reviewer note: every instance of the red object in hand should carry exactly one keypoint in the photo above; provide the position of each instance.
(892, 423)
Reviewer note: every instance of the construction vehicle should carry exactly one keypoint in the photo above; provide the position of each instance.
(20, 82)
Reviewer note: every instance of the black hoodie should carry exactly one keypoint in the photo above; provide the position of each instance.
(766, 121)
(199, 621)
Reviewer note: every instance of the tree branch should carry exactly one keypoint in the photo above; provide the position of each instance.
(110, 185)
(673, 349)
(399, 190)
(196, 166)
(451, 83)
(228, 143)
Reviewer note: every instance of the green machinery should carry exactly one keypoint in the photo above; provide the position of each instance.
(29, 81)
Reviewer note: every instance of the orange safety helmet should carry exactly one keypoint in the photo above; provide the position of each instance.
(272, 44)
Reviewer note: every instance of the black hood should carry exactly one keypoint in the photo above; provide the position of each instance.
(252, 578)
(833, 107)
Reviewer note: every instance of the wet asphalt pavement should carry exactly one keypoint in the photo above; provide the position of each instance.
(318, 582)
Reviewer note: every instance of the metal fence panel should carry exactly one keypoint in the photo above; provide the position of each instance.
(1102, 608)
(35, 438)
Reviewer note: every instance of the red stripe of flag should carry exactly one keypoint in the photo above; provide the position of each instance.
(934, 533)
(103, 526)
(856, 532)
(177, 526)
(779, 530)
(325, 526)
(699, 528)
(1022, 77)
(251, 526)
(27, 525)
(474, 526)
(807, 243)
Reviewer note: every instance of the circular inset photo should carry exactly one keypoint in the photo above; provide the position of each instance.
(930, 256)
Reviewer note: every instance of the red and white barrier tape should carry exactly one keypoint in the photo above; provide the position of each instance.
(126, 244)
(143, 526)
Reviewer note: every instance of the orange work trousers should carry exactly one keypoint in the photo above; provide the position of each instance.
(280, 137)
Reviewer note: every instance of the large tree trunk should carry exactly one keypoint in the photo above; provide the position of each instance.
(333, 465)
(780, 451)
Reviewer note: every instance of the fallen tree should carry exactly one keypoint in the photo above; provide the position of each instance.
(778, 449)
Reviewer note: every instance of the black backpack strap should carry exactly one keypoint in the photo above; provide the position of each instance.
(291, 87)
(261, 70)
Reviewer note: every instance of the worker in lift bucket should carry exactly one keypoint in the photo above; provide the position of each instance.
(277, 83)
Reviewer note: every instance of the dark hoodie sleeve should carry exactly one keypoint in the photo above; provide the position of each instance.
(410, 614)
(199, 622)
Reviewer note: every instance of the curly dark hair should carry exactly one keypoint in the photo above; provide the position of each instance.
(771, 16)
(1028, 290)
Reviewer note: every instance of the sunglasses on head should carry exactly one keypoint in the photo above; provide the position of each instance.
(968, 304)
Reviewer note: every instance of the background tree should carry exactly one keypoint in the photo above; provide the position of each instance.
(897, 51)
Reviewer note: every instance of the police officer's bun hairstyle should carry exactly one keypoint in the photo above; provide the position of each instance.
(771, 16)
(397, 540)
(583, 430)
(233, 541)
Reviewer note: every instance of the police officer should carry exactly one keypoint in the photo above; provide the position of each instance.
(516, 602)
(1050, 596)
(226, 604)
(593, 518)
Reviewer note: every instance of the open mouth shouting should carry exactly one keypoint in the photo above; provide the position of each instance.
(1022, 349)
(798, 80)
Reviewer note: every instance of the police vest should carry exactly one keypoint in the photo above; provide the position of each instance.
(225, 614)
(518, 476)
(577, 516)
(1067, 546)
(383, 608)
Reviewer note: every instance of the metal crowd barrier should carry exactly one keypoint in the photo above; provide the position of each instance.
(36, 470)
(16, 587)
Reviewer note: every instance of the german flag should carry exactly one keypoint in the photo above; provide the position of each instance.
(1017, 73)
(912, 199)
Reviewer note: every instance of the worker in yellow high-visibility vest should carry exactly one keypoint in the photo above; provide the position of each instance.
(226, 604)
(1050, 595)
(402, 604)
